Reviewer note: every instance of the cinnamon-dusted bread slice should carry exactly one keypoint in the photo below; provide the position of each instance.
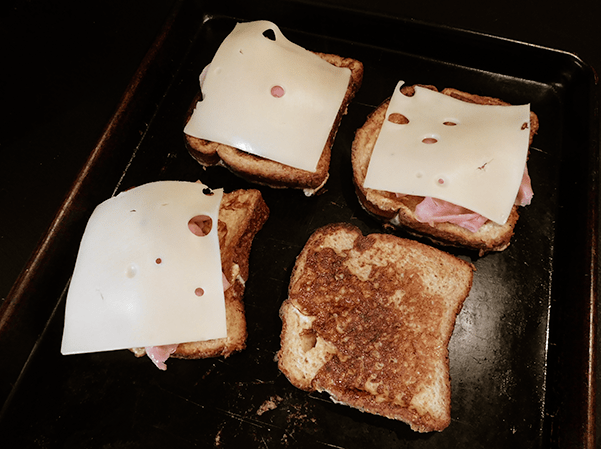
(399, 211)
(242, 214)
(263, 171)
(368, 320)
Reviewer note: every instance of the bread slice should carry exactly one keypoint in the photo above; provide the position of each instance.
(399, 211)
(368, 320)
(242, 214)
(263, 171)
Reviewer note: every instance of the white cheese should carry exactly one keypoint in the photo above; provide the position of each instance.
(270, 98)
(468, 154)
(138, 270)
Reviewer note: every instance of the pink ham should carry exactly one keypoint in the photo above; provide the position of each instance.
(525, 193)
(432, 210)
(159, 354)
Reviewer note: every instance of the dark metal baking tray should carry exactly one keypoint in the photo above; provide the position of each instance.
(523, 352)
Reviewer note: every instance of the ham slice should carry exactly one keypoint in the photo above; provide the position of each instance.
(432, 210)
(525, 193)
(159, 354)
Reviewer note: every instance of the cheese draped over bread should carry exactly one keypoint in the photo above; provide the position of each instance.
(269, 97)
(434, 145)
(145, 275)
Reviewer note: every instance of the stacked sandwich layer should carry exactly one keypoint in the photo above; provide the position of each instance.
(368, 320)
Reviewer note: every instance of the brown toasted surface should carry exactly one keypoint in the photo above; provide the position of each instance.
(242, 214)
(400, 211)
(267, 172)
(368, 320)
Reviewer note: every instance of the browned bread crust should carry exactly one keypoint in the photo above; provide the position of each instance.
(267, 172)
(368, 320)
(400, 211)
(241, 215)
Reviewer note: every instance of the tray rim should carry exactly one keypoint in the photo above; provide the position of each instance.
(23, 286)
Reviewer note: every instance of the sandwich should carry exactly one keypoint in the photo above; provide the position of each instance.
(161, 270)
(448, 166)
(269, 110)
(368, 320)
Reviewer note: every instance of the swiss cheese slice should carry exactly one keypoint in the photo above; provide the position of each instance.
(139, 268)
(270, 98)
(467, 154)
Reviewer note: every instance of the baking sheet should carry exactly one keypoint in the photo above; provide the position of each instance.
(522, 348)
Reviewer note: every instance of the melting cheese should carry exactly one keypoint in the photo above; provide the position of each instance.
(468, 154)
(138, 270)
(269, 97)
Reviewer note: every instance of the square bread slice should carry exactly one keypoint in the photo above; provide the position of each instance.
(399, 211)
(263, 171)
(368, 320)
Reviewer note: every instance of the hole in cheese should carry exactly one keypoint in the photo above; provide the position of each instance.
(269, 34)
(524, 126)
(277, 91)
(398, 119)
(429, 140)
(158, 261)
(407, 91)
(449, 123)
(200, 225)
(199, 292)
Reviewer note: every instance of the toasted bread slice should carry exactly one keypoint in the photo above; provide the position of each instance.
(241, 215)
(399, 211)
(263, 171)
(368, 320)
